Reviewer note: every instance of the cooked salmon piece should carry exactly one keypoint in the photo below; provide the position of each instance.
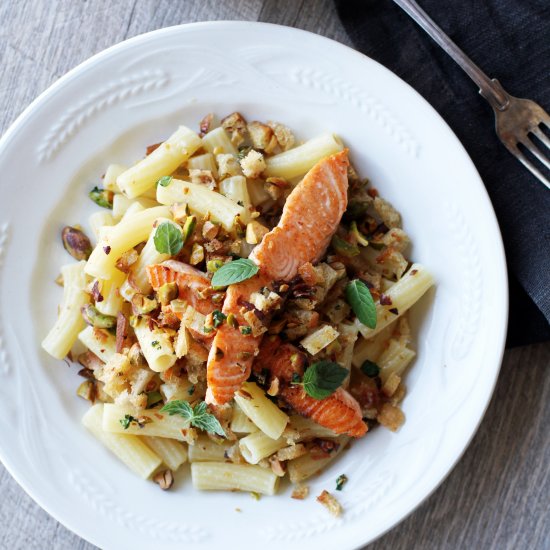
(232, 352)
(339, 412)
(190, 283)
(309, 219)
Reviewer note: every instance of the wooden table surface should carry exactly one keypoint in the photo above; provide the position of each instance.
(497, 497)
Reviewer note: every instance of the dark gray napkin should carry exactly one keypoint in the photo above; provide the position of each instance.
(509, 40)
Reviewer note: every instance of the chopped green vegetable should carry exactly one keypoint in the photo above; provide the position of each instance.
(197, 416)
(234, 272)
(156, 344)
(341, 480)
(323, 378)
(96, 319)
(344, 248)
(370, 369)
(102, 197)
(127, 420)
(165, 181)
(168, 239)
(360, 299)
(246, 330)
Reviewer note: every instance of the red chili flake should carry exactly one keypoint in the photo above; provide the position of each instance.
(414, 271)
(159, 416)
(373, 192)
(385, 300)
(107, 250)
(394, 310)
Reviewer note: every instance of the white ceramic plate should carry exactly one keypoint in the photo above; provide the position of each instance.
(107, 110)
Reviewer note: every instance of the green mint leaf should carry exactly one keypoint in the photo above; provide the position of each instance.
(234, 272)
(323, 378)
(165, 181)
(168, 239)
(102, 197)
(370, 369)
(178, 406)
(360, 299)
(199, 417)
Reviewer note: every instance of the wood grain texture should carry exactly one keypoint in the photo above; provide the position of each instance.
(497, 497)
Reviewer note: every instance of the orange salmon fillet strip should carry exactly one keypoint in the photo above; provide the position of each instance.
(338, 412)
(310, 217)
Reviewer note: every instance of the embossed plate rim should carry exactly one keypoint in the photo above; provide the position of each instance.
(349, 539)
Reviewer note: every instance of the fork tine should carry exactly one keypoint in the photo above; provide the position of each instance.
(542, 136)
(530, 166)
(536, 151)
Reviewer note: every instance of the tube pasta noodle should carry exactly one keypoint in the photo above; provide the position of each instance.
(264, 413)
(219, 476)
(110, 291)
(69, 323)
(173, 453)
(217, 141)
(128, 448)
(99, 342)
(235, 188)
(203, 162)
(257, 445)
(122, 203)
(201, 200)
(296, 162)
(156, 320)
(123, 236)
(161, 162)
(148, 422)
(403, 294)
(240, 423)
(156, 346)
(111, 174)
(305, 466)
(206, 450)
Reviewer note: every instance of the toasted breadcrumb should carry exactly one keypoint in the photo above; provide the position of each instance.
(228, 166)
(330, 503)
(391, 417)
(390, 216)
(235, 125)
(283, 134)
(253, 164)
(262, 136)
(291, 452)
(300, 492)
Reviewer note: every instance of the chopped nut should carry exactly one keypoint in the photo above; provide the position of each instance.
(167, 292)
(255, 232)
(164, 479)
(300, 492)
(135, 356)
(142, 305)
(76, 243)
(253, 164)
(203, 177)
(274, 387)
(96, 319)
(235, 125)
(206, 124)
(179, 212)
(277, 467)
(127, 259)
(210, 230)
(197, 254)
(255, 324)
(330, 503)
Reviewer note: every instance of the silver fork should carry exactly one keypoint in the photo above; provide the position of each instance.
(515, 118)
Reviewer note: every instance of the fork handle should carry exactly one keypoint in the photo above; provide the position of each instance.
(489, 88)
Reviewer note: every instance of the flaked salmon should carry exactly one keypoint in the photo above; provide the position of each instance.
(310, 217)
(191, 282)
(339, 412)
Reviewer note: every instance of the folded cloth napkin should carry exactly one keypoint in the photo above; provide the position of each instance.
(510, 41)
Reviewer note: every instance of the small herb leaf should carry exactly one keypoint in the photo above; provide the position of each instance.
(199, 417)
(165, 181)
(360, 299)
(234, 272)
(168, 239)
(323, 378)
(370, 369)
